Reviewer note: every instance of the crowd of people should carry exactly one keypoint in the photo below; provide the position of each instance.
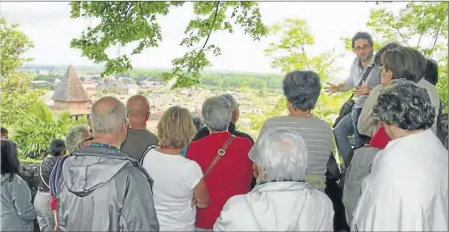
(202, 174)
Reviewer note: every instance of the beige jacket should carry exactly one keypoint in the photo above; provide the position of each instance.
(368, 125)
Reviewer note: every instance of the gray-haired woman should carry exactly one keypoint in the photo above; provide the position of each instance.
(302, 89)
(407, 188)
(78, 137)
(282, 200)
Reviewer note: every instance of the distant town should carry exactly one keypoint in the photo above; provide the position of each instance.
(73, 90)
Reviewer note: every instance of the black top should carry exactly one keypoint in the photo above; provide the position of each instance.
(44, 173)
(203, 132)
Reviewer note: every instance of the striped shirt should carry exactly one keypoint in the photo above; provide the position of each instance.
(317, 135)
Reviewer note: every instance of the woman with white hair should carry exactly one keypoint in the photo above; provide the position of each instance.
(407, 189)
(282, 200)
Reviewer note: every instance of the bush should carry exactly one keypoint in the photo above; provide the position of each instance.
(38, 128)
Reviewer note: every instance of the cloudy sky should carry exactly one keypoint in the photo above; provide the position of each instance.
(50, 27)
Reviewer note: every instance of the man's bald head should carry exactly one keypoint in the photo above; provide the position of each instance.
(138, 107)
(107, 115)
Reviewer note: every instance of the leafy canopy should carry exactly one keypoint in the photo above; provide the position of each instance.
(16, 95)
(124, 23)
(290, 53)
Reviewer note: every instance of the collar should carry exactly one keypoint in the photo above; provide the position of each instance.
(107, 146)
(231, 127)
(358, 62)
(417, 136)
(281, 186)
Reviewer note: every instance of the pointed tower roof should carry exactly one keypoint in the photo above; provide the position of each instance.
(70, 89)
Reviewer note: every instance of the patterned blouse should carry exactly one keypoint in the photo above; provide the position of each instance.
(44, 172)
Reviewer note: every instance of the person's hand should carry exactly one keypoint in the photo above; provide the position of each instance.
(362, 90)
(367, 145)
(331, 88)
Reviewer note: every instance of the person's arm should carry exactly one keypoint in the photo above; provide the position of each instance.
(347, 84)
(21, 196)
(367, 124)
(230, 218)
(138, 212)
(201, 195)
(193, 178)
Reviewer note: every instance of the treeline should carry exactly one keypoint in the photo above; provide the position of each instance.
(210, 79)
(218, 79)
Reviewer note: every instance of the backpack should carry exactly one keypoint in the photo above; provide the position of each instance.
(55, 174)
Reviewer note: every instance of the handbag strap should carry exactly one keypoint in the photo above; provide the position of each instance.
(365, 75)
(40, 173)
(221, 152)
(145, 153)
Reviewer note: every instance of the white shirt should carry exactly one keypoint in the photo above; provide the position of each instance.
(407, 189)
(174, 177)
(278, 206)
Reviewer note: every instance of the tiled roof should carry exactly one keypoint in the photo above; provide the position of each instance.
(70, 89)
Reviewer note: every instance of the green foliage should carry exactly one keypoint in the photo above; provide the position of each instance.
(42, 77)
(289, 54)
(13, 44)
(243, 82)
(122, 23)
(34, 132)
(442, 82)
(410, 27)
(16, 95)
(277, 109)
(211, 80)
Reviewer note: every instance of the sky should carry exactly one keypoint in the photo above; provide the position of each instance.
(50, 27)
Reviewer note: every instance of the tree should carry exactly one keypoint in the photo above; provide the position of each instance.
(16, 95)
(34, 132)
(422, 25)
(211, 80)
(122, 23)
(13, 44)
(289, 54)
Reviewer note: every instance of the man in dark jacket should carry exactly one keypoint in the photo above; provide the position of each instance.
(235, 116)
(99, 187)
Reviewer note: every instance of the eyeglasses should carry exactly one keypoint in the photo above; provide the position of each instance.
(90, 138)
(365, 47)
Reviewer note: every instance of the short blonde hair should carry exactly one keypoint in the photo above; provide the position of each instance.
(175, 128)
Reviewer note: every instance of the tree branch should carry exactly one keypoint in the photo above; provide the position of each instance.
(436, 38)
(211, 28)
(305, 55)
(127, 10)
(402, 36)
(420, 36)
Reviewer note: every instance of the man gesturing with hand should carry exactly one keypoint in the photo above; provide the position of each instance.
(363, 65)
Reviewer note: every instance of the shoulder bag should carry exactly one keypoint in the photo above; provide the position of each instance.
(347, 107)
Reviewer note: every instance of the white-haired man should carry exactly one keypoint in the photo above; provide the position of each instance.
(100, 188)
(235, 116)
